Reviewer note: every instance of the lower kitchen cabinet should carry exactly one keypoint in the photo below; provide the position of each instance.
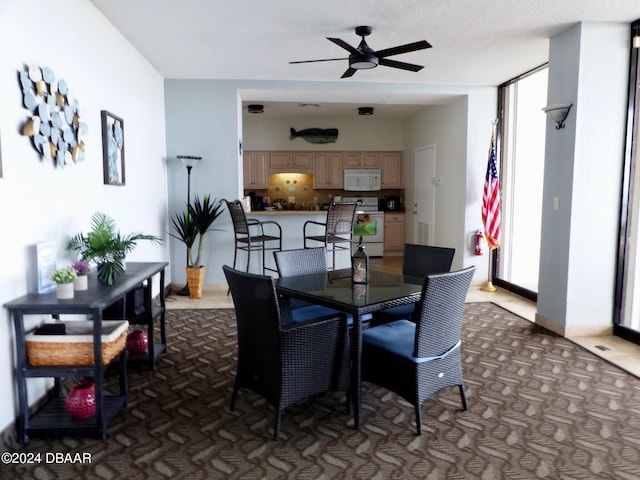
(393, 232)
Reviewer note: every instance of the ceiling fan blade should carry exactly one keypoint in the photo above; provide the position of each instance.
(402, 65)
(409, 47)
(345, 45)
(348, 73)
(321, 60)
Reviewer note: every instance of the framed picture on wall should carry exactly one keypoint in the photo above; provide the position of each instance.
(112, 148)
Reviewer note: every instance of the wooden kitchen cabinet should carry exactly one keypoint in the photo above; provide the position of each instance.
(391, 169)
(393, 232)
(255, 169)
(297, 162)
(328, 170)
(363, 160)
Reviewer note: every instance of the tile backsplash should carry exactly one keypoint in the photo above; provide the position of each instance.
(296, 190)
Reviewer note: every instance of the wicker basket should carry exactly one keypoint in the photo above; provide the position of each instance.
(76, 346)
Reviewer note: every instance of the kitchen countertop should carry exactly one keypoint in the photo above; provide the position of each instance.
(303, 212)
(287, 212)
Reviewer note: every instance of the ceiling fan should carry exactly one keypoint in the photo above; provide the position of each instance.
(364, 57)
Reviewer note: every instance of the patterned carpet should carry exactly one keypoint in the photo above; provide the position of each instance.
(540, 407)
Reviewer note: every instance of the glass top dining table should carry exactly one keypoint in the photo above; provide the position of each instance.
(335, 289)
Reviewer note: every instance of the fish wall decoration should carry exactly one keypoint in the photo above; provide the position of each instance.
(316, 135)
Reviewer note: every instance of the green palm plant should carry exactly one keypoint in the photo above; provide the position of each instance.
(186, 231)
(194, 224)
(105, 245)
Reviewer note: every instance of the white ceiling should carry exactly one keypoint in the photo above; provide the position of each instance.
(475, 42)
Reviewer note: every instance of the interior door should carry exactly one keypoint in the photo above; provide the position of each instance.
(425, 195)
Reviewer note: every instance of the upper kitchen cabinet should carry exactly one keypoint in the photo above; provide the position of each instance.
(361, 160)
(391, 169)
(298, 162)
(329, 171)
(255, 169)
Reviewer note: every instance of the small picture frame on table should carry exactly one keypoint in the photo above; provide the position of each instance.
(46, 263)
(112, 148)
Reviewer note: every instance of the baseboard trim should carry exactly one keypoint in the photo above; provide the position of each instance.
(573, 331)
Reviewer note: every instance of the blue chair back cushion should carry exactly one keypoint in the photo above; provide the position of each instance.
(303, 314)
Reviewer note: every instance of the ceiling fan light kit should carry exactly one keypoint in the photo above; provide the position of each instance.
(365, 58)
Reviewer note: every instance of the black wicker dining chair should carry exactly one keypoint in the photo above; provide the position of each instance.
(417, 359)
(418, 261)
(338, 229)
(304, 261)
(284, 363)
(250, 234)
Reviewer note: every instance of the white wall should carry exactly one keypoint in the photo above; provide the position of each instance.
(588, 66)
(460, 132)
(43, 203)
(354, 133)
(204, 118)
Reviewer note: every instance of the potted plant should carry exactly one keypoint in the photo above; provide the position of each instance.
(81, 267)
(189, 226)
(63, 278)
(106, 246)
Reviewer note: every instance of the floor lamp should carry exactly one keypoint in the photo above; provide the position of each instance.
(189, 162)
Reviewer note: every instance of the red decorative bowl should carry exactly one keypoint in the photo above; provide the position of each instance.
(137, 342)
(81, 400)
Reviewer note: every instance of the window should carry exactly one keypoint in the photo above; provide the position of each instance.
(627, 310)
(521, 150)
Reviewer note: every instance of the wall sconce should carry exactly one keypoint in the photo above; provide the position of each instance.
(255, 108)
(558, 113)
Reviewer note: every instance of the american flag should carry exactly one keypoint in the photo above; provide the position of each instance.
(491, 200)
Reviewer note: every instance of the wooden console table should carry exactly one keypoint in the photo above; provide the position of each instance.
(52, 417)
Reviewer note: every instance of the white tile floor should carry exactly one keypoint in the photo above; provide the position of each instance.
(620, 352)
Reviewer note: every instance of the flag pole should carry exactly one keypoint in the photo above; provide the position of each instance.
(489, 287)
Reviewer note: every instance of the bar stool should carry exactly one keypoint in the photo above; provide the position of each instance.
(250, 234)
(338, 229)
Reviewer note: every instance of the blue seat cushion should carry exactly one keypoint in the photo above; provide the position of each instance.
(399, 337)
(314, 311)
(396, 337)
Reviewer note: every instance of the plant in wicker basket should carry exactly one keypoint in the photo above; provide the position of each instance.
(190, 226)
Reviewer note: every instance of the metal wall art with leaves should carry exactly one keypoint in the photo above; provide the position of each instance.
(54, 116)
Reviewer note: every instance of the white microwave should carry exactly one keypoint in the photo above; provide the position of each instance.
(362, 180)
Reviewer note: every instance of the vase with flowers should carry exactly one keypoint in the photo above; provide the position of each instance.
(63, 278)
(81, 268)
